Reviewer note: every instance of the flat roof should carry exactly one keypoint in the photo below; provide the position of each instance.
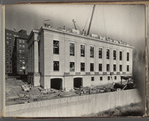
(83, 36)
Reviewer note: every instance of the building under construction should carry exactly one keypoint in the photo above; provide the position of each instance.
(67, 58)
(64, 59)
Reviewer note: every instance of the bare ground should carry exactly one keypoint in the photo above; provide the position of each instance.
(129, 110)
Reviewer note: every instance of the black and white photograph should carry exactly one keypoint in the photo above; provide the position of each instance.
(74, 60)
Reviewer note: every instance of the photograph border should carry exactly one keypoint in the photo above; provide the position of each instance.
(78, 2)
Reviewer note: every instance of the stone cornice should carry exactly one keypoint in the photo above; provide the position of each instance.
(82, 36)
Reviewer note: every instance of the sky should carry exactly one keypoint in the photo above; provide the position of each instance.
(121, 22)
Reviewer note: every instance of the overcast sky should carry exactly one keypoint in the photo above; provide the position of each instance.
(121, 22)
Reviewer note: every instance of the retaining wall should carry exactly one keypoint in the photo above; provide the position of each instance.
(74, 106)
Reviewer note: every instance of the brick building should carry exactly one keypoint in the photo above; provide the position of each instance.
(11, 48)
(64, 59)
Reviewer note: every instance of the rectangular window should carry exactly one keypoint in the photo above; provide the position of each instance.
(20, 41)
(114, 67)
(108, 54)
(120, 67)
(72, 66)
(72, 49)
(55, 47)
(114, 54)
(100, 78)
(120, 55)
(91, 66)
(92, 78)
(56, 65)
(100, 67)
(20, 46)
(82, 66)
(7, 42)
(108, 77)
(92, 52)
(115, 77)
(20, 51)
(127, 67)
(127, 56)
(108, 67)
(23, 46)
(100, 52)
(82, 50)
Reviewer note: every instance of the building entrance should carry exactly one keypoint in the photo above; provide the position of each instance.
(77, 82)
(56, 83)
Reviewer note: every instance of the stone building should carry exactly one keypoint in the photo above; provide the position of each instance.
(64, 59)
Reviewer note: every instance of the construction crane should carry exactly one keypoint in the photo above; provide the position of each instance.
(91, 21)
(74, 22)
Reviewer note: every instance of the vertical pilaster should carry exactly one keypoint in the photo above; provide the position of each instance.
(35, 55)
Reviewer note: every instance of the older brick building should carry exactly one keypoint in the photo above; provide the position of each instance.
(64, 59)
(12, 52)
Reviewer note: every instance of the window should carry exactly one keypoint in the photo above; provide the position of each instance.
(23, 41)
(127, 56)
(56, 65)
(92, 78)
(115, 77)
(55, 47)
(20, 51)
(23, 46)
(92, 52)
(20, 46)
(120, 67)
(82, 66)
(82, 50)
(20, 41)
(72, 66)
(72, 49)
(114, 54)
(100, 78)
(7, 42)
(127, 67)
(100, 52)
(114, 67)
(108, 67)
(91, 66)
(108, 54)
(100, 67)
(120, 55)
(108, 77)
(23, 62)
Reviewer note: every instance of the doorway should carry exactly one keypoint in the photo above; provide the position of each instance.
(77, 82)
(56, 83)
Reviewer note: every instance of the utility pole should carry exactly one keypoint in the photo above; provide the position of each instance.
(91, 21)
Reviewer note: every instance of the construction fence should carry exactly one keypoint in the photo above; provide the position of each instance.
(74, 106)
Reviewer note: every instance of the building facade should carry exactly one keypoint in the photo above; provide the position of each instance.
(20, 56)
(9, 46)
(12, 52)
(63, 59)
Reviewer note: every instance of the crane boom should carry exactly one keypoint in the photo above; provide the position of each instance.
(91, 21)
